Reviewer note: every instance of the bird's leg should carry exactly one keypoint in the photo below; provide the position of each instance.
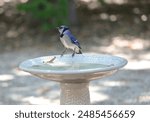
(63, 52)
(73, 53)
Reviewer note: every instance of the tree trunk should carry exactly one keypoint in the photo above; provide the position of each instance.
(72, 13)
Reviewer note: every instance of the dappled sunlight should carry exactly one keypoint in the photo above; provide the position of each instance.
(121, 44)
(113, 18)
(113, 83)
(2, 2)
(144, 18)
(39, 100)
(97, 96)
(24, 1)
(138, 65)
(119, 2)
(86, 0)
(105, 16)
(145, 56)
(6, 77)
(18, 72)
(144, 98)
(12, 34)
(92, 4)
(132, 43)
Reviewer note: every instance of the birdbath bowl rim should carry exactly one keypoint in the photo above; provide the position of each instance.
(73, 73)
(109, 64)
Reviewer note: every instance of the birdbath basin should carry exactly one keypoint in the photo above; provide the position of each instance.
(73, 73)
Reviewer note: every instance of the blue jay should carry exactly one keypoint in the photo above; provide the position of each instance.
(68, 40)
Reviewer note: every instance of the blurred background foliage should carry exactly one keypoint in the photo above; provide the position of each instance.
(22, 21)
(50, 13)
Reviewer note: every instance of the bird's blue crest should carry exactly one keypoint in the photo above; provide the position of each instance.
(64, 27)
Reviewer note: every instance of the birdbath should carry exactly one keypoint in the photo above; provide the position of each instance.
(73, 73)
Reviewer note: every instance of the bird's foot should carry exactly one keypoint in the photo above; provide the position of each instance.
(49, 60)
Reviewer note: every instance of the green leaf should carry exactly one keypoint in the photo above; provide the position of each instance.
(47, 11)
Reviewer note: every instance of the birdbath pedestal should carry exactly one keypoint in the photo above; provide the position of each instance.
(74, 73)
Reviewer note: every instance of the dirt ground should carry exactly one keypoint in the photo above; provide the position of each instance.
(125, 36)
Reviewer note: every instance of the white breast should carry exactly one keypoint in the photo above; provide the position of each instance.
(67, 43)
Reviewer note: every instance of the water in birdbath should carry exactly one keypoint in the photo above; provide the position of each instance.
(61, 66)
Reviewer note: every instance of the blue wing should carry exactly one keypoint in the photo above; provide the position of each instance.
(73, 39)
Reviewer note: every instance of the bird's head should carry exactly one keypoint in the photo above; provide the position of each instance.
(62, 28)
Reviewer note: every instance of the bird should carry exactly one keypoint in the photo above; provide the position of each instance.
(68, 40)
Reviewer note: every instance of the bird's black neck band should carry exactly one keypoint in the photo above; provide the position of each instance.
(62, 34)
(64, 30)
